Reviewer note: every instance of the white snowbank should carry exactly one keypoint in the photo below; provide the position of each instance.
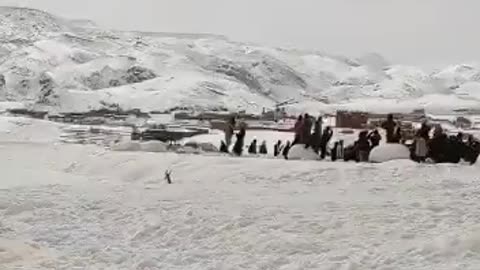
(153, 146)
(188, 150)
(19, 129)
(388, 152)
(60, 204)
(8, 105)
(299, 152)
(134, 146)
(205, 146)
(126, 146)
(76, 201)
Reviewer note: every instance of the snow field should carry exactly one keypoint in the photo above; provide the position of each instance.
(68, 206)
(81, 207)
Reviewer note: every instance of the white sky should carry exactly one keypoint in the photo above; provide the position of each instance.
(420, 32)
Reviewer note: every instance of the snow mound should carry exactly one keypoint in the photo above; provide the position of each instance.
(81, 207)
(205, 147)
(299, 152)
(153, 146)
(19, 129)
(389, 152)
(188, 150)
(126, 146)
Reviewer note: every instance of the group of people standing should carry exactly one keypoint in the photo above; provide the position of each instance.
(362, 147)
(318, 140)
(253, 148)
(240, 137)
(368, 140)
(308, 132)
(439, 148)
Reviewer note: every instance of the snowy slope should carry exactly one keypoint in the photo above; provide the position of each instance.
(83, 207)
(73, 65)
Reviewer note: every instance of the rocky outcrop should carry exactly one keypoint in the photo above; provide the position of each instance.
(109, 77)
(137, 74)
(47, 93)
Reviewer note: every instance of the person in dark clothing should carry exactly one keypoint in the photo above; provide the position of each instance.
(316, 137)
(389, 127)
(223, 147)
(307, 129)
(340, 149)
(397, 134)
(319, 125)
(326, 137)
(374, 137)
(349, 153)
(472, 150)
(424, 131)
(263, 148)
(437, 147)
(363, 147)
(455, 149)
(252, 149)
(471, 140)
(335, 151)
(298, 129)
(286, 149)
(238, 146)
(460, 137)
(277, 148)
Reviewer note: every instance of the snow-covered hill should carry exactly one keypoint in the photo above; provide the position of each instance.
(72, 65)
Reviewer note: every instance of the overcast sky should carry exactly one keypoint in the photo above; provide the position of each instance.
(418, 32)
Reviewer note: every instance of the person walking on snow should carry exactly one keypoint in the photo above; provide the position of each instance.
(286, 149)
(277, 148)
(389, 127)
(363, 147)
(298, 129)
(326, 137)
(307, 128)
(317, 135)
(238, 146)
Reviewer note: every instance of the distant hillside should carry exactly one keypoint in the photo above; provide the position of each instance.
(66, 65)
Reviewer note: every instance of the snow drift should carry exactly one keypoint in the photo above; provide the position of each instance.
(389, 152)
(81, 207)
(133, 146)
(58, 64)
(299, 152)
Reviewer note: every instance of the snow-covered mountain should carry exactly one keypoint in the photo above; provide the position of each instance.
(73, 65)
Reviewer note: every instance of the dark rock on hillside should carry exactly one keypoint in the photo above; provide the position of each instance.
(3, 82)
(138, 74)
(109, 77)
(47, 92)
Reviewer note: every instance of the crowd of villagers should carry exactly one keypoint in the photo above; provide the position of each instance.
(430, 143)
